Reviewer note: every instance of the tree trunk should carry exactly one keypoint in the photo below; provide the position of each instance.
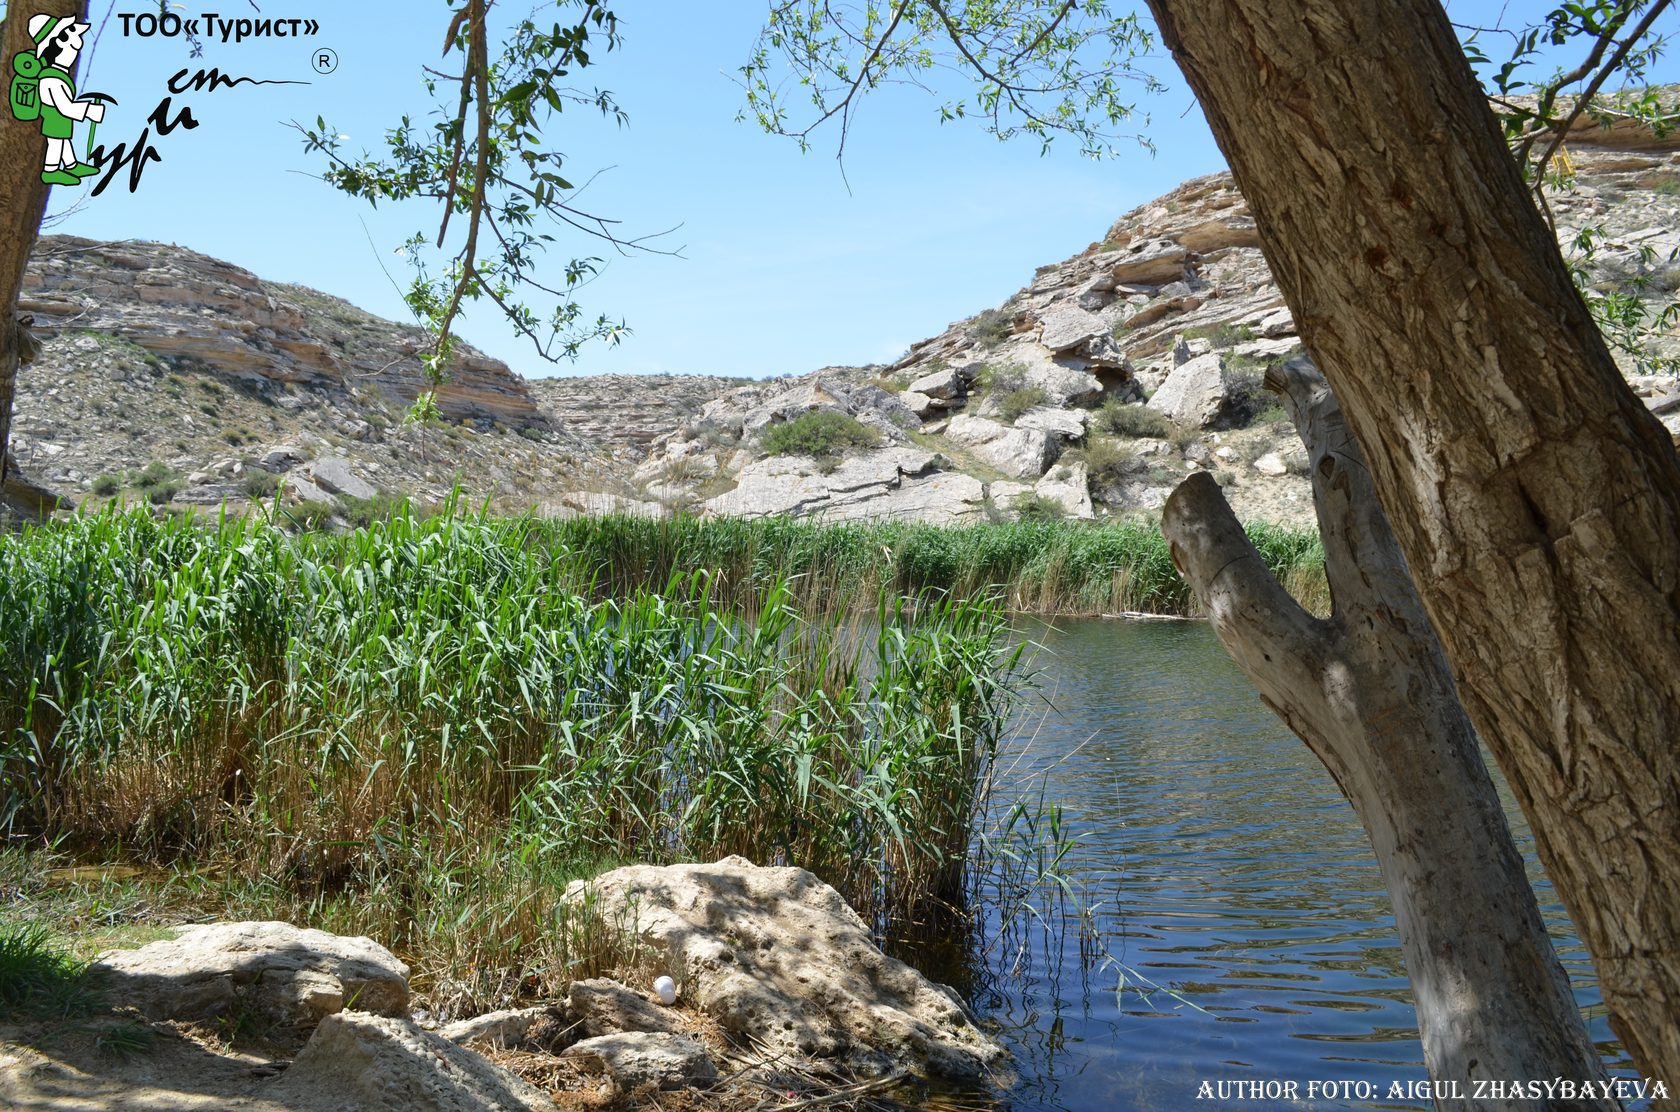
(22, 150)
(1369, 692)
(1535, 499)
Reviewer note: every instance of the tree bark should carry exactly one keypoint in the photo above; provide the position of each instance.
(1535, 499)
(1370, 693)
(22, 150)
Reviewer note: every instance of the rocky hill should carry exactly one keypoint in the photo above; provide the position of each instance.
(1091, 391)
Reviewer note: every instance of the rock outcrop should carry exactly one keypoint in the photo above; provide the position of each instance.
(158, 356)
(180, 305)
(286, 974)
(775, 955)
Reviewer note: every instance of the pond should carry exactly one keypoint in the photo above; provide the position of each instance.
(1241, 928)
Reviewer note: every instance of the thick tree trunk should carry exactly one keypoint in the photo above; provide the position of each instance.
(1535, 499)
(1369, 692)
(23, 200)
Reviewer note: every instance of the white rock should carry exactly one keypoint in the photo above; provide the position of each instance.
(633, 1059)
(294, 975)
(1150, 262)
(1068, 424)
(1068, 485)
(1017, 452)
(919, 404)
(605, 1007)
(1270, 464)
(281, 458)
(508, 1027)
(1194, 393)
(1068, 326)
(335, 475)
(944, 385)
(776, 955)
(364, 1063)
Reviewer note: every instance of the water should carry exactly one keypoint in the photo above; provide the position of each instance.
(1242, 928)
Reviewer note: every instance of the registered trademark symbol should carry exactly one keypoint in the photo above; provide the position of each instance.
(325, 61)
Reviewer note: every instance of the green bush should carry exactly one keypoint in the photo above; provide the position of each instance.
(1037, 507)
(1130, 419)
(259, 483)
(819, 433)
(1000, 378)
(992, 327)
(1017, 403)
(1220, 335)
(107, 486)
(157, 483)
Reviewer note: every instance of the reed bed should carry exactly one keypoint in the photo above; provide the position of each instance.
(421, 729)
(1039, 567)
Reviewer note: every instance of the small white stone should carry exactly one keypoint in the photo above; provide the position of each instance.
(667, 990)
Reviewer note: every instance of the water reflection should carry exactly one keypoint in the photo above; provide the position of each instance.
(1240, 919)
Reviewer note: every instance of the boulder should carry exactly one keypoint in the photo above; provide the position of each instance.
(1194, 393)
(509, 1027)
(943, 385)
(633, 1059)
(291, 975)
(335, 476)
(605, 1007)
(1068, 485)
(1067, 424)
(1068, 326)
(1005, 495)
(305, 490)
(777, 956)
(920, 404)
(1148, 262)
(364, 1063)
(1065, 380)
(1096, 293)
(1271, 464)
(283, 457)
(1017, 452)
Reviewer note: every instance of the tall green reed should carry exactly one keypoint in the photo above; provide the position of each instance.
(1043, 567)
(404, 705)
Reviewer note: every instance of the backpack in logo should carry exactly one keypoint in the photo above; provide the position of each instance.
(26, 86)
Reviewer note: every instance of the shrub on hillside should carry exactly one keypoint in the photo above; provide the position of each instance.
(1000, 378)
(819, 433)
(157, 483)
(1129, 419)
(992, 327)
(1036, 507)
(1015, 404)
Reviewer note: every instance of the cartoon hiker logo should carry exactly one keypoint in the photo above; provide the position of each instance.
(42, 90)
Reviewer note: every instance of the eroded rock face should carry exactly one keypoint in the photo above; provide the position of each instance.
(886, 482)
(366, 1063)
(776, 955)
(292, 975)
(179, 304)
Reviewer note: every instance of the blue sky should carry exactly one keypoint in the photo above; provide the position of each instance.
(782, 270)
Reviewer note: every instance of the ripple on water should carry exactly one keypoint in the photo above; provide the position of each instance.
(1244, 927)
